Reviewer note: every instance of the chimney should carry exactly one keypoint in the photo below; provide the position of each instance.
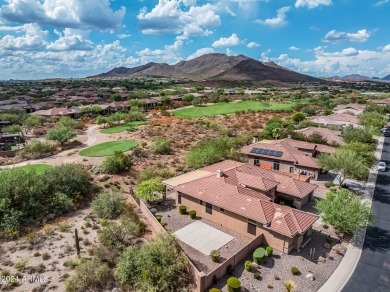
(219, 173)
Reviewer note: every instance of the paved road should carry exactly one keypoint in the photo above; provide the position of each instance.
(372, 273)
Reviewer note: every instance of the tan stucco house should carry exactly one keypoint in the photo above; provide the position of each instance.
(242, 197)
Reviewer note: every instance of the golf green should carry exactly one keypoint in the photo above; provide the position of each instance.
(108, 148)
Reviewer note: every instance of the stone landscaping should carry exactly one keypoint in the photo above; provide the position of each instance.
(275, 270)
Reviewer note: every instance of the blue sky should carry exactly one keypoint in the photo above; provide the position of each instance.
(77, 38)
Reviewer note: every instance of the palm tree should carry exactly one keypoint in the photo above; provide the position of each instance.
(290, 285)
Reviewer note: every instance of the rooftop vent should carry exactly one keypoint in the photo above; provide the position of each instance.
(219, 173)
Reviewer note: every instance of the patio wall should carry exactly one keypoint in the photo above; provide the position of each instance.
(7, 153)
(220, 271)
(202, 280)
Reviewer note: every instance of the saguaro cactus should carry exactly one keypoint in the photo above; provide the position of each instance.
(76, 238)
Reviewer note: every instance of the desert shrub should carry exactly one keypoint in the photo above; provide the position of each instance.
(63, 226)
(329, 184)
(53, 192)
(214, 290)
(161, 146)
(269, 251)
(158, 218)
(248, 265)
(134, 116)
(117, 163)
(109, 204)
(182, 209)
(46, 256)
(70, 179)
(115, 237)
(233, 284)
(259, 255)
(362, 135)
(150, 190)
(295, 271)
(71, 263)
(192, 214)
(19, 266)
(37, 149)
(153, 172)
(256, 275)
(209, 151)
(158, 265)
(215, 255)
(90, 275)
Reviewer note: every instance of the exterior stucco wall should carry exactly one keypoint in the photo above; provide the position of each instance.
(237, 223)
(284, 166)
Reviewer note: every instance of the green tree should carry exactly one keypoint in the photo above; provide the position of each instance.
(109, 204)
(345, 211)
(150, 190)
(67, 122)
(298, 117)
(61, 134)
(197, 101)
(12, 129)
(157, 266)
(161, 146)
(373, 120)
(117, 163)
(32, 122)
(363, 135)
(347, 163)
(209, 151)
(188, 97)
(316, 138)
(364, 150)
(116, 97)
(102, 121)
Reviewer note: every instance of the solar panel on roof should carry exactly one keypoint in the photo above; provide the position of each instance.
(278, 153)
(259, 150)
(266, 152)
(272, 152)
(254, 150)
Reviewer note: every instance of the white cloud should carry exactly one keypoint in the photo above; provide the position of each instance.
(71, 40)
(346, 61)
(34, 39)
(169, 54)
(12, 28)
(381, 2)
(229, 52)
(168, 16)
(293, 48)
(386, 48)
(123, 36)
(252, 45)
(200, 52)
(64, 13)
(312, 3)
(336, 36)
(278, 21)
(233, 40)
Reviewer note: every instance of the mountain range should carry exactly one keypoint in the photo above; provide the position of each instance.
(357, 77)
(214, 67)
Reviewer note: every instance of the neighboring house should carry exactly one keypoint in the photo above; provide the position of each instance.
(331, 136)
(353, 108)
(287, 155)
(239, 197)
(336, 120)
(385, 101)
(58, 112)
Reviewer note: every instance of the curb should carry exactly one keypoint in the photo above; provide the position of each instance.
(345, 269)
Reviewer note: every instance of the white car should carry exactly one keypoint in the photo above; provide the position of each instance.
(381, 166)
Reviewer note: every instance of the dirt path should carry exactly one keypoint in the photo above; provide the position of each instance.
(92, 136)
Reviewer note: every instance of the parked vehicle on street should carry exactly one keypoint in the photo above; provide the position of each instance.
(381, 166)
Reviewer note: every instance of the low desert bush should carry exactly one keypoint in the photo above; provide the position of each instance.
(215, 255)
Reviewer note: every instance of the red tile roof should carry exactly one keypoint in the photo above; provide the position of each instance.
(229, 192)
(291, 152)
(328, 134)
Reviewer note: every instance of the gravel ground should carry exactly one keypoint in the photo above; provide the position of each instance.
(279, 266)
(175, 221)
